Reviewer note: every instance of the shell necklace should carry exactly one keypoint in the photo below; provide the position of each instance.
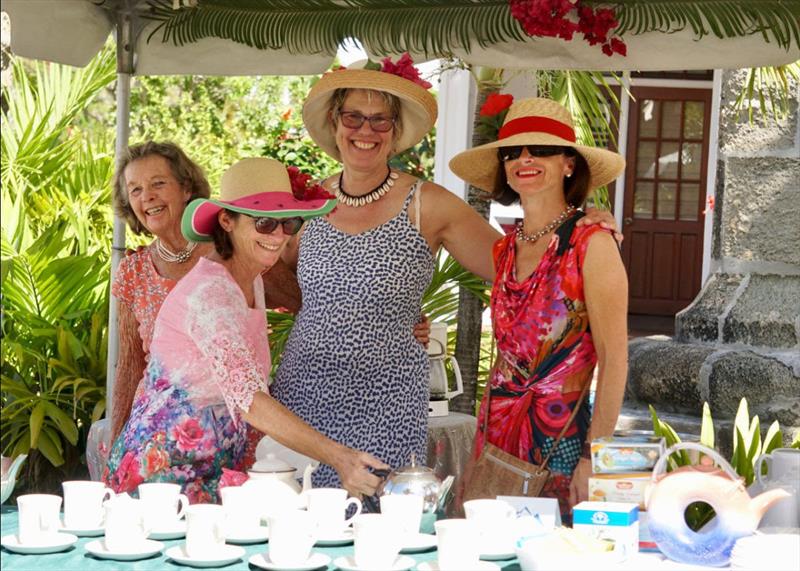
(175, 257)
(371, 196)
(532, 237)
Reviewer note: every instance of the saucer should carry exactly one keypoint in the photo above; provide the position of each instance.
(57, 542)
(316, 561)
(84, 532)
(348, 563)
(227, 554)
(343, 538)
(146, 548)
(497, 554)
(418, 542)
(246, 536)
(177, 530)
(481, 566)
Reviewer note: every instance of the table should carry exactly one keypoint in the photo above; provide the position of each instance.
(78, 559)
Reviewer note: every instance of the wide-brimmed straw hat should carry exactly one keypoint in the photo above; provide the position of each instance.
(256, 186)
(417, 106)
(534, 121)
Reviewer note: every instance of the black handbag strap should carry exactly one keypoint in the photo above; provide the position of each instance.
(561, 434)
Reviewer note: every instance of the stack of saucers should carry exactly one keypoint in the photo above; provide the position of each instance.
(781, 549)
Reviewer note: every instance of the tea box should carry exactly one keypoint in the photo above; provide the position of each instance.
(615, 521)
(627, 487)
(616, 454)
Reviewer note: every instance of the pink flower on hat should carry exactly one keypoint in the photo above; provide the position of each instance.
(404, 67)
(303, 188)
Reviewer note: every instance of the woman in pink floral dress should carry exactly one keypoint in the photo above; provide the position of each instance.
(206, 378)
(559, 300)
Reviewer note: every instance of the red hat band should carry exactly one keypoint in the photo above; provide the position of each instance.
(537, 124)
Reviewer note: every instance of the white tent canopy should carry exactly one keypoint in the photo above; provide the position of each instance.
(74, 31)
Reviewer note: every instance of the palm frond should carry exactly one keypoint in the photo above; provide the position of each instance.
(768, 90)
(775, 20)
(437, 28)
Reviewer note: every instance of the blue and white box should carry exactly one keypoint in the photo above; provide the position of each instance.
(616, 521)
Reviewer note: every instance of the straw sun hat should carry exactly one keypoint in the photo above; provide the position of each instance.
(534, 121)
(417, 106)
(256, 186)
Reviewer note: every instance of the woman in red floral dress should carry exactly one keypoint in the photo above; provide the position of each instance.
(559, 301)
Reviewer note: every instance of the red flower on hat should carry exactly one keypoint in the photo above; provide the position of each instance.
(404, 67)
(303, 188)
(495, 103)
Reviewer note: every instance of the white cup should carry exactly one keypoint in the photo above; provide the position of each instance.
(83, 503)
(292, 534)
(328, 506)
(405, 512)
(783, 467)
(164, 504)
(242, 514)
(376, 541)
(38, 518)
(126, 526)
(457, 542)
(205, 530)
(495, 520)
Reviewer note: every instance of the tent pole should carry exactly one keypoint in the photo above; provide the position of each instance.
(125, 47)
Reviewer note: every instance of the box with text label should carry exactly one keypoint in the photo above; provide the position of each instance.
(616, 521)
(619, 487)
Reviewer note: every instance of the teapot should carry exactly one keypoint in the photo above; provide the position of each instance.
(273, 486)
(737, 515)
(9, 475)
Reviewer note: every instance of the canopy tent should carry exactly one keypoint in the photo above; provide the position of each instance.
(297, 37)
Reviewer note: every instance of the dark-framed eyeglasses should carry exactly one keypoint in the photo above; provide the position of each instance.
(354, 120)
(267, 225)
(511, 153)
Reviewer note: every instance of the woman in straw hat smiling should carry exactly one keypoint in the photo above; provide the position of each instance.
(559, 300)
(351, 367)
(206, 379)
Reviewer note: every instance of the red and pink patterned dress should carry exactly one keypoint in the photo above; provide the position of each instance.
(541, 327)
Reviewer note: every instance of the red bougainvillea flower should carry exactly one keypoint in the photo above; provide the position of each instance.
(404, 67)
(496, 103)
(303, 189)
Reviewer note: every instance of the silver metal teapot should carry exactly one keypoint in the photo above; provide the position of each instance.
(412, 479)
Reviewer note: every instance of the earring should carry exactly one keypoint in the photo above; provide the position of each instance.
(568, 175)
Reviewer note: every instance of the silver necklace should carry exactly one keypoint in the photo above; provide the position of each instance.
(175, 257)
(532, 237)
(373, 195)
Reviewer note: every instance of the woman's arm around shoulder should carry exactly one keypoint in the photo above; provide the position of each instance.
(456, 225)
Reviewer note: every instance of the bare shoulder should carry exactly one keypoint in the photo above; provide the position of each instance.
(603, 257)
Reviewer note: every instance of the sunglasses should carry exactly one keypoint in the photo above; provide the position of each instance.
(354, 120)
(265, 225)
(511, 153)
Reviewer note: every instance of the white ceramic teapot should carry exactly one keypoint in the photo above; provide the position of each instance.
(272, 483)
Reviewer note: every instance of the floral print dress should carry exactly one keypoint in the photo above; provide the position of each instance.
(208, 357)
(546, 355)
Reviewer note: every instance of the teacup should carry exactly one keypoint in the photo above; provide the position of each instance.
(495, 520)
(205, 530)
(783, 467)
(126, 524)
(242, 514)
(164, 504)
(404, 511)
(328, 506)
(457, 542)
(38, 518)
(292, 534)
(83, 503)
(376, 541)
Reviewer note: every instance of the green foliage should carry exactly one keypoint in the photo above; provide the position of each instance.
(768, 90)
(748, 445)
(438, 28)
(54, 250)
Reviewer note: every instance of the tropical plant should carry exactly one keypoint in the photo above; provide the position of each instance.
(748, 445)
(438, 28)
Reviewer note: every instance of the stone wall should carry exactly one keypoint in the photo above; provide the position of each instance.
(741, 336)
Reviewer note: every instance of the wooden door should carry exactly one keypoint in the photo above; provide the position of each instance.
(665, 189)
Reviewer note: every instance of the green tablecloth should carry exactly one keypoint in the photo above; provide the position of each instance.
(76, 558)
